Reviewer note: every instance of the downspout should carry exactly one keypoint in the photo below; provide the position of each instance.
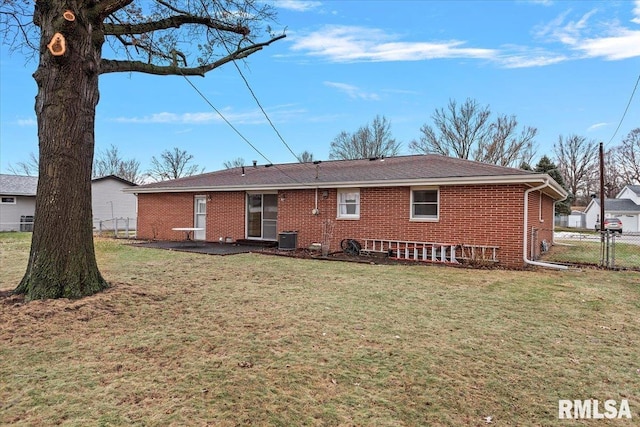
(525, 229)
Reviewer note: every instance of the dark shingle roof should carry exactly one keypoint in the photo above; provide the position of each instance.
(18, 185)
(619, 205)
(378, 171)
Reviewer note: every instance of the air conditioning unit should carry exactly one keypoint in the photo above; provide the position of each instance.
(288, 240)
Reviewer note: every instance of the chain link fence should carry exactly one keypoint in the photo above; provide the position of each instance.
(608, 249)
(116, 227)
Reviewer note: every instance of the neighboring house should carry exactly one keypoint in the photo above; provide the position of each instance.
(626, 206)
(108, 202)
(577, 218)
(18, 202)
(438, 208)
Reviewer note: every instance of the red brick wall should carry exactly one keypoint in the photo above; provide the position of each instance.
(474, 215)
(540, 223)
(159, 213)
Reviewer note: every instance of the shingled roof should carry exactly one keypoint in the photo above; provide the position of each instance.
(619, 205)
(427, 169)
(18, 185)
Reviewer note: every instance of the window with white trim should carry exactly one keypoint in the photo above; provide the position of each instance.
(349, 203)
(424, 203)
(8, 200)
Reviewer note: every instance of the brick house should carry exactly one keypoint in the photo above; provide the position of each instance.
(423, 207)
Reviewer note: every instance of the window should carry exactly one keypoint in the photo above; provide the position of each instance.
(349, 203)
(424, 204)
(8, 200)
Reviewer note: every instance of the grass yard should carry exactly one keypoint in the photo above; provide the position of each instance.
(183, 339)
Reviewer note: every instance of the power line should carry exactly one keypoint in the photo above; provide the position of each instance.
(241, 135)
(625, 110)
(263, 111)
(225, 119)
(246, 82)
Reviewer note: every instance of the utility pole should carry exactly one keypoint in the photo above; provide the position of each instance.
(603, 246)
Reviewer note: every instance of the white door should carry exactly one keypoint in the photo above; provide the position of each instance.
(200, 218)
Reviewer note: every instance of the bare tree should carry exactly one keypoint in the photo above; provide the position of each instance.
(371, 140)
(457, 130)
(109, 162)
(628, 157)
(173, 165)
(161, 37)
(614, 176)
(577, 158)
(28, 167)
(305, 157)
(466, 131)
(505, 147)
(235, 163)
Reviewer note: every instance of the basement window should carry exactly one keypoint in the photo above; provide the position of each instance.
(8, 200)
(425, 204)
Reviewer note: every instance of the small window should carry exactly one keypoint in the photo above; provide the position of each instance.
(349, 203)
(424, 204)
(8, 200)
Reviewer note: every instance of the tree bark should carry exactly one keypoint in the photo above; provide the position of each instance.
(62, 262)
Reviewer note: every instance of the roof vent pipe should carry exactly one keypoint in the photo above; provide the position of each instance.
(255, 163)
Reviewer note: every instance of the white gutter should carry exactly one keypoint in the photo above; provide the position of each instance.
(528, 179)
(525, 230)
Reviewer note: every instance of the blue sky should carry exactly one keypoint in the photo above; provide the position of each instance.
(564, 67)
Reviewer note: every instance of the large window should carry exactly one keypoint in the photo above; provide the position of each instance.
(262, 216)
(349, 203)
(424, 204)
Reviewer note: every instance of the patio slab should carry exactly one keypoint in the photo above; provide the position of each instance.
(210, 248)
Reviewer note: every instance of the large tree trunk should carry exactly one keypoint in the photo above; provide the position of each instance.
(62, 263)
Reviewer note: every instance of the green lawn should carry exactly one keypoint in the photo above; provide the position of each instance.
(184, 339)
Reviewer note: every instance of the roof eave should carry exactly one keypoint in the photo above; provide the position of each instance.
(533, 179)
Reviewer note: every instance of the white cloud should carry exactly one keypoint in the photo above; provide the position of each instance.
(623, 45)
(596, 126)
(297, 5)
(27, 122)
(636, 13)
(277, 113)
(361, 44)
(353, 91)
(531, 60)
(608, 40)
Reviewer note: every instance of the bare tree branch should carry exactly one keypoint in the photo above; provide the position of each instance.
(113, 66)
(172, 165)
(576, 158)
(172, 22)
(467, 132)
(373, 140)
(628, 157)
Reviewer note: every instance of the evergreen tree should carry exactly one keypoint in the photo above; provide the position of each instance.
(545, 165)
